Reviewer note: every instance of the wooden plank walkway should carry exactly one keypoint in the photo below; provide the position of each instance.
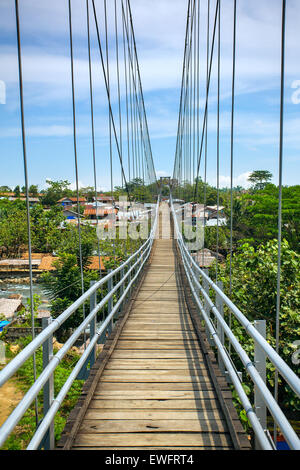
(155, 391)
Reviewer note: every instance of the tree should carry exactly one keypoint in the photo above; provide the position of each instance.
(64, 287)
(17, 191)
(69, 242)
(45, 228)
(254, 291)
(13, 226)
(5, 189)
(55, 191)
(258, 215)
(33, 190)
(260, 178)
(211, 236)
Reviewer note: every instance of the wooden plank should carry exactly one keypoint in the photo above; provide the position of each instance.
(148, 317)
(170, 304)
(164, 308)
(135, 373)
(208, 415)
(79, 411)
(152, 439)
(171, 289)
(156, 295)
(162, 403)
(159, 335)
(166, 344)
(121, 376)
(155, 326)
(155, 386)
(154, 285)
(144, 425)
(154, 364)
(155, 394)
(154, 354)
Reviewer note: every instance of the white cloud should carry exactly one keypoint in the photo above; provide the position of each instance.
(160, 173)
(240, 180)
(2, 92)
(160, 29)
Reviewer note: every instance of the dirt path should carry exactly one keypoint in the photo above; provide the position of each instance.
(10, 396)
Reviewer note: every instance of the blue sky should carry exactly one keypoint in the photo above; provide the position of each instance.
(160, 29)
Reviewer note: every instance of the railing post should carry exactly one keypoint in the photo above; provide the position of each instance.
(48, 389)
(122, 288)
(93, 302)
(260, 364)
(206, 305)
(110, 303)
(220, 331)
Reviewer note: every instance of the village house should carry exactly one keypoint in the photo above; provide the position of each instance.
(99, 213)
(9, 307)
(70, 201)
(22, 197)
(104, 199)
(69, 213)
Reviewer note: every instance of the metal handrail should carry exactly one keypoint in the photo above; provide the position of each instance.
(291, 378)
(136, 261)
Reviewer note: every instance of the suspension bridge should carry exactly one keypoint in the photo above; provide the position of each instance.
(164, 376)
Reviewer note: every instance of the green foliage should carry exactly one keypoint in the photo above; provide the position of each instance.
(64, 287)
(211, 235)
(55, 191)
(204, 192)
(258, 215)
(22, 434)
(260, 178)
(5, 189)
(137, 189)
(46, 234)
(254, 291)
(13, 226)
(17, 191)
(68, 242)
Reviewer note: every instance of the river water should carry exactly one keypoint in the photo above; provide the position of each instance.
(6, 289)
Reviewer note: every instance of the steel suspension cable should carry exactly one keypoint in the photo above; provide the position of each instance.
(206, 103)
(206, 124)
(118, 81)
(75, 152)
(218, 138)
(232, 158)
(27, 194)
(232, 144)
(178, 154)
(184, 101)
(127, 106)
(137, 90)
(142, 97)
(109, 128)
(93, 130)
(108, 95)
(278, 282)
